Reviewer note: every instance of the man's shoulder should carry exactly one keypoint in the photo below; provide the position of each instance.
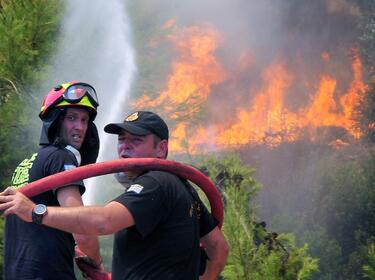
(54, 158)
(159, 176)
(50, 149)
(161, 179)
(53, 151)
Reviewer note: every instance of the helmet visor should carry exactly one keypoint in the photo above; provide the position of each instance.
(75, 92)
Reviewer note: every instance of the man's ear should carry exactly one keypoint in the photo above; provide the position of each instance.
(162, 149)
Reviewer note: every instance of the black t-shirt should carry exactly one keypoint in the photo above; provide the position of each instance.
(169, 221)
(35, 251)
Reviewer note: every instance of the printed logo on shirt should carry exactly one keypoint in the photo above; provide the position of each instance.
(21, 173)
(69, 167)
(135, 188)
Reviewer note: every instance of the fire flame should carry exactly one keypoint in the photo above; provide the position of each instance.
(264, 119)
(194, 74)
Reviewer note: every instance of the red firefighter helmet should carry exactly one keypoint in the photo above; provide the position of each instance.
(71, 94)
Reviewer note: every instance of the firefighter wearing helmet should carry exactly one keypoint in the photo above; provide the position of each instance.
(79, 95)
(68, 139)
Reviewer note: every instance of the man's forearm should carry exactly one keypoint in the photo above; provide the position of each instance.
(89, 245)
(217, 250)
(209, 273)
(214, 268)
(88, 220)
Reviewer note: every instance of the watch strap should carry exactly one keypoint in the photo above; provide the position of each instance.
(38, 218)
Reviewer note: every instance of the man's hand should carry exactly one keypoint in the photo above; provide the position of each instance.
(13, 202)
(90, 269)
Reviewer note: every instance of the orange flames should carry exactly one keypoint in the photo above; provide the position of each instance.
(194, 74)
(264, 119)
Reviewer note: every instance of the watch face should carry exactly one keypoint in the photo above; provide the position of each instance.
(40, 209)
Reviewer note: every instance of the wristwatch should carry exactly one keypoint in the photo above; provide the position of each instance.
(39, 211)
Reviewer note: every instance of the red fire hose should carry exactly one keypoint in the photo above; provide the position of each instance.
(131, 164)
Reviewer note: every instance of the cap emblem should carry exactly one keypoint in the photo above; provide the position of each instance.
(132, 117)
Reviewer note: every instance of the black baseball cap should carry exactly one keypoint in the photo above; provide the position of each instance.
(140, 123)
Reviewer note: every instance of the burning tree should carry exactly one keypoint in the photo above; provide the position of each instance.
(212, 108)
(293, 76)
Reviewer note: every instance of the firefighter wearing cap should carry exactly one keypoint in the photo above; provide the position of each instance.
(68, 139)
(169, 217)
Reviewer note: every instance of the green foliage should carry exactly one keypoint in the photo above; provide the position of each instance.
(366, 112)
(328, 251)
(16, 140)
(366, 108)
(255, 253)
(343, 222)
(369, 269)
(366, 40)
(27, 30)
(348, 200)
(331, 208)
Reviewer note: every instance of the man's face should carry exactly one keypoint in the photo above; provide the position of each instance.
(74, 126)
(136, 146)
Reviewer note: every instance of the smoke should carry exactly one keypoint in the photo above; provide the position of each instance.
(308, 39)
(303, 40)
(94, 47)
(344, 7)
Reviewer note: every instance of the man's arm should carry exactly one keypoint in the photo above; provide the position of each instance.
(88, 220)
(70, 196)
(217, 250)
